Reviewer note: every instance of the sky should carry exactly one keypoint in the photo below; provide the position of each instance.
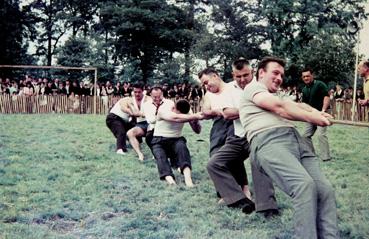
(364, 36)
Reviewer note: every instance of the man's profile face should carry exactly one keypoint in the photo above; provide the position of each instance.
(272, 76)
(307, 77)
(211, 82)
(138, 93)
(362, 69)
(243, 76)
(157, 96)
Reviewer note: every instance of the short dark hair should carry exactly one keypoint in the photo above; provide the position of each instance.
(240, 63)
(366, 63)
(138, 85)
(306, 69)
(208, 71)
(156, 87)
(266, 60)
(183, 106)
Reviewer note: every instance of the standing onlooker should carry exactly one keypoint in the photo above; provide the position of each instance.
(126, 89)
(315, 94)
(338, 94)
(364, 72)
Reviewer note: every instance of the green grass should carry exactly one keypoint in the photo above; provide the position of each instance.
(60, 178)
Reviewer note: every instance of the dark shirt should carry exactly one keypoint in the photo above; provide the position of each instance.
(314, 93)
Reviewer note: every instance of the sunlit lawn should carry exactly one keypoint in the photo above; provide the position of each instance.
(60, 178)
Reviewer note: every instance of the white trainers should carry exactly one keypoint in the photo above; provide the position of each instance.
(121, 152)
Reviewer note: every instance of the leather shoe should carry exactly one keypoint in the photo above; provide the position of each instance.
(246, 205)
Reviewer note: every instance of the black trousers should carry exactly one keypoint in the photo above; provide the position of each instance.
(220, 130)
(119, 128)
(163, 147)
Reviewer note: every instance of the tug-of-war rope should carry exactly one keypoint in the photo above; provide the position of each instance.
(347, 122)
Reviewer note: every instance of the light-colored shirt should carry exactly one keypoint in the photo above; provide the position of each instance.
(166, 128)
(366, 88)
(137, 108)
(149, 109)
(231, 99)
(255, 119)
(216, 99)
(117, 110)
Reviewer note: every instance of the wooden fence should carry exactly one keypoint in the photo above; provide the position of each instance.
(61, 104)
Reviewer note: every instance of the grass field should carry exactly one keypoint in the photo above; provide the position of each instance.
(60, 178)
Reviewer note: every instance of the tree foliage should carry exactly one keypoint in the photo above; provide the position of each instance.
(313, 33)
(153, 40)
(236, 33)
(146, 30)
(51, 26)
(15, 25)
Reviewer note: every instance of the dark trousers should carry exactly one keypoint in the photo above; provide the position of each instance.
(149, 137)
(162, 147)
(119, 129)
(221, 169)
(219, 132)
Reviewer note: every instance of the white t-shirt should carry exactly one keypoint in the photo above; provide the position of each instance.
(231, 99)
(166, 128)
(149, 109)
(216, 99)
(117, 110)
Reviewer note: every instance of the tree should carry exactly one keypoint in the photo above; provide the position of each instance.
(313, 33)
(237, 32)
(16, 27)
(51, 17)
(80, 15)
(333, 59)
(76, 52)
(146, 30)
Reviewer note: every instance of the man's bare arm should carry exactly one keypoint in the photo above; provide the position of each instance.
(290, 110)
(208, 112)
(326, 103)
(180, 118)
(231, 113)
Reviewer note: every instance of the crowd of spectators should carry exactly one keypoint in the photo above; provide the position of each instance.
(339, 94)
(42, 86)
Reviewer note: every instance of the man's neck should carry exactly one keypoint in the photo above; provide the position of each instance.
(221, 87)
(310, 83)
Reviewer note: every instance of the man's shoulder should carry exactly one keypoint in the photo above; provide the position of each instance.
(126, 99)
(319, 83)
(168, 102)
(254, 85)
